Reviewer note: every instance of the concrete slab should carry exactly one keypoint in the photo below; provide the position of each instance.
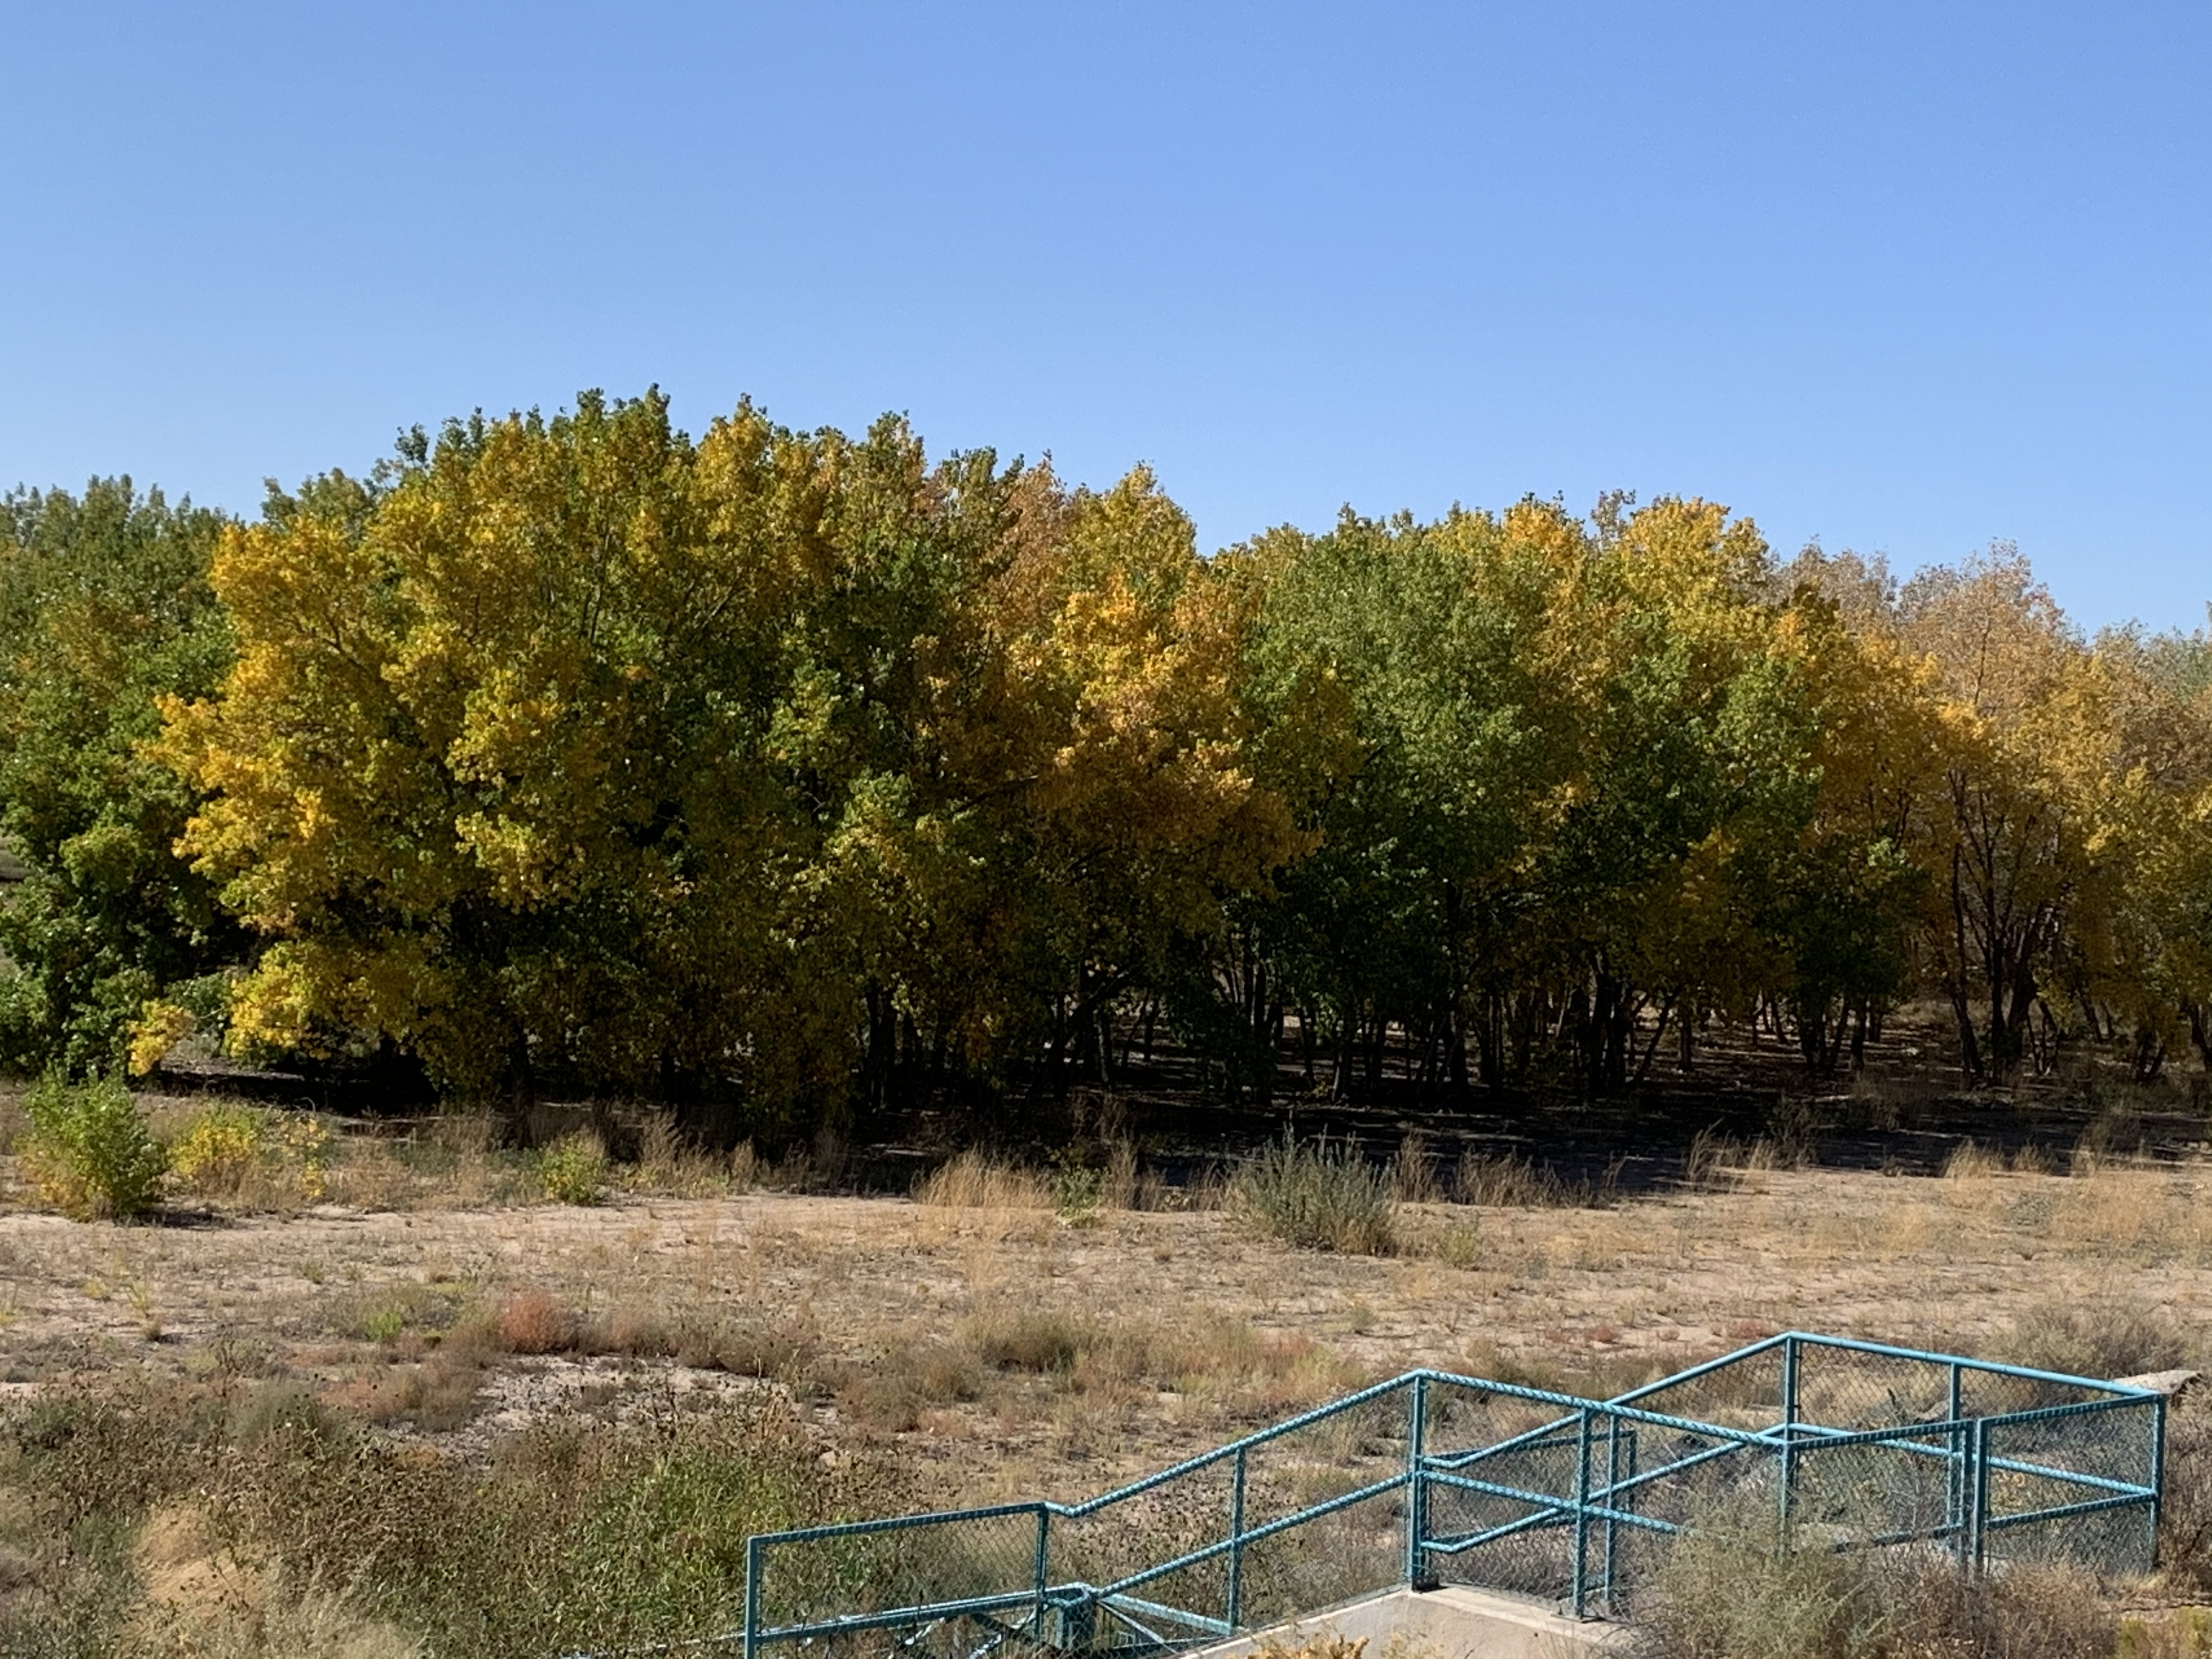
(1454, 1622)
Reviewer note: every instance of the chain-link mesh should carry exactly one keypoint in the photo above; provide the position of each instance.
(1335, 1558)
(1501, 1482)
(1745, 1393)
(2067, 1460)
(1871, 1491)
(1815, 1443)
(988, 1561)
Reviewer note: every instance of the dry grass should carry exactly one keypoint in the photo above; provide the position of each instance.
(1724, 1592)
(1971, 1161)
(974, 1181)
(1414, 1177)
(1510, 1182)
(985, 1348)
(1318, 1196)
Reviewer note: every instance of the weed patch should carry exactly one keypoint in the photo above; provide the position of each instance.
(249, 1159)
(1319, 1197)
(2111, 1337)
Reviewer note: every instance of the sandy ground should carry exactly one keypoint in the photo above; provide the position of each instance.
(866, 1289)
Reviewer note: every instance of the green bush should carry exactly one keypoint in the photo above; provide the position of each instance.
(574, 1170)
(1077, 1190)
(1318, 1197)
(89, 1151)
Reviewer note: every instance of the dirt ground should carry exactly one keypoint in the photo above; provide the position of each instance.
(892, 1318)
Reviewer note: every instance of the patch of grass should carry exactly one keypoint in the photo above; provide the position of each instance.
(1413, 1176)
(670, 1163)
(2185, 1520)
(535, 1323)
(974, 1181)
(2175, 1633)
(1460, 1245)
(384, 1325)
(404, 1311)
(1317, 1196)
(578, 1535)
(1032, 1342)
(438, 1394)
(1119, 1366)
(1714, 1157)
(1125, 1186)
(1509, 1181)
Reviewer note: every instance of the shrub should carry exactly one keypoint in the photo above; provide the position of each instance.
(1724, 1592)
(574, 1170)
(2110, 1337)
(1077, 1190)
(534, 1323)
(89, 1151)
(256, 1158)
(1319, 1197)
(219, 1148)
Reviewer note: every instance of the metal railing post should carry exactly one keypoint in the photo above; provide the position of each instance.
(1789, 1455)
(1043, 1556)
(1579, 1596)
(752, 1596)
(1954, 1500)
(1977, 1476)
(2155, 1480)
(1235, 1611)
(1611, 1502)
(1990, 1487)
(1417, 1487)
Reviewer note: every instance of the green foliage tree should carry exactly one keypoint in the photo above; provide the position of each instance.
(104, 608)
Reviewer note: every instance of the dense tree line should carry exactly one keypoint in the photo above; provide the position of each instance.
(789, 774)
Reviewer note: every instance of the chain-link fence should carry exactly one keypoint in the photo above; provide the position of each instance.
(1432, 1478)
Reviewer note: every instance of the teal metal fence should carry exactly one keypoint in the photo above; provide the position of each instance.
(1433, 1478)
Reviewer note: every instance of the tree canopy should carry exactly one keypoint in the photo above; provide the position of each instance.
(789, 775)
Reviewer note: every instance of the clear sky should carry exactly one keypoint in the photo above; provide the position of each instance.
(1905, 277)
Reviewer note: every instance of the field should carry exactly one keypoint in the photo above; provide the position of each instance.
(1004, 1331)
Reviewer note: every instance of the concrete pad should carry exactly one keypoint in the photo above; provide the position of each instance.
(1454, 1622)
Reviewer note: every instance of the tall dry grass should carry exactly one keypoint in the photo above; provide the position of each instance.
(1510, 1182)
(975, 1181)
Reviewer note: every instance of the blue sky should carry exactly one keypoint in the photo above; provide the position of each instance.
(1904, 277)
